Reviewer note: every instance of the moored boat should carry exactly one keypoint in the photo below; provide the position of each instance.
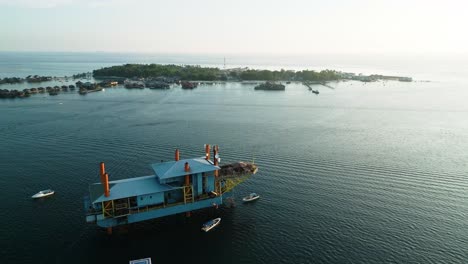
(141, 261)
(251, 197)
(43, 193)
(211, 224)
(189, 85)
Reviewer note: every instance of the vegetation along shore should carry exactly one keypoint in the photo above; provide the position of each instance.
(158, 76)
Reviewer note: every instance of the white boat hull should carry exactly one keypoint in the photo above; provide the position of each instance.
(42, 194)
(250, 199)
(217, 221)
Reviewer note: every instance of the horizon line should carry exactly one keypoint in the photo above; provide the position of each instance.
(244, 53)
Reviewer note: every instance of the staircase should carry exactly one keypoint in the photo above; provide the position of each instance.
(188, 194)
(108, 209)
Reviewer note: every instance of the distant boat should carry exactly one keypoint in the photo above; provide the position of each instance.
(211, 224)
(141, 261)
(43, 193)
(250, 198)
(189, 85)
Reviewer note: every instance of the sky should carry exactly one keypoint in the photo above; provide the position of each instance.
(236, 26)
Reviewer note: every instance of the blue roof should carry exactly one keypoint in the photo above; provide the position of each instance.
(128, 188)
(171, 169)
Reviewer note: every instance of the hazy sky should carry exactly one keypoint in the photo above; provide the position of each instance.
(238, 26)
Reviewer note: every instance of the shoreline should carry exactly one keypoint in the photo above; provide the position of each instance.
(93, 87)
(158, 76)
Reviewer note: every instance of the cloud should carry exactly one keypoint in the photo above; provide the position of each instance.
(105, 3)
(61, 3)
(35, 3)
(97, 4)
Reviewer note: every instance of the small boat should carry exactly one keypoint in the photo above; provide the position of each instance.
(43, 193)
(141, 261)
(250, 198)
(211, 224)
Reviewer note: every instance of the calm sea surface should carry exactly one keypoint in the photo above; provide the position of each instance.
(363, 173)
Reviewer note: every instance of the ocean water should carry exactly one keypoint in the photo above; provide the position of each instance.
(363, 173)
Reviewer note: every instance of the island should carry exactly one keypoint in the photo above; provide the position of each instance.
(174, 73)
(159, 76)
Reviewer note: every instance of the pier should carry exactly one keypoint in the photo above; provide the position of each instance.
(309, 85)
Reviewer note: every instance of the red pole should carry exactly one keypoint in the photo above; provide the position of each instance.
(177, 155)
(207, 152)
(106, 185)
(103, 171)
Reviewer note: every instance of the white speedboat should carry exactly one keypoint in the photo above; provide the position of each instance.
(141, 261)
(211, 224)
(43, 193)
(250, 198)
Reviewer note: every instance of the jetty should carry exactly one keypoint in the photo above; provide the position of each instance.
(84, 91)
(375, 77)
(178, 186)
(309, 85)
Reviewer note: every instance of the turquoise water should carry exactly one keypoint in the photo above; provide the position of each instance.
(364, 173)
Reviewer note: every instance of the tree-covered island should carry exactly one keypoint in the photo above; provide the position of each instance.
(187, 73)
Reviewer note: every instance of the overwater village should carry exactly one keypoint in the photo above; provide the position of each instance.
(96, 81)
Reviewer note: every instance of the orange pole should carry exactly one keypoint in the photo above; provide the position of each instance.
(109, 230)
(207, 152)
(177, 155)
(187, 177)
(106, 185)
(103, 171)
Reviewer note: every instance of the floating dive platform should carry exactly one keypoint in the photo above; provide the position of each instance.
(179, 186)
